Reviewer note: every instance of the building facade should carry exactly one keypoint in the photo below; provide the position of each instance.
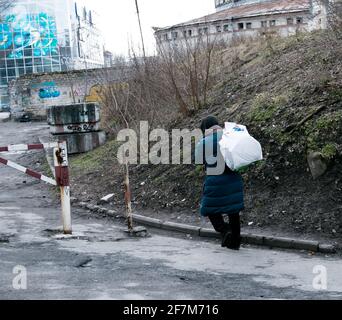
(235, 19)
(43, 36)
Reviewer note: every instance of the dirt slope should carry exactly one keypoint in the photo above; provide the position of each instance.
(289, 94)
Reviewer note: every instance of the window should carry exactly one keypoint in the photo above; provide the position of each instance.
(11, 72)
(218, 28)
(205, 30)
(190, 33)
(184, 34)
(226, 27)
(289, 21)
(47, 69)
(299, 20)
(240, 25)
(263, 24)
(249, 25)
(174, 35)
(272, 23)
(166, 37)
(200, 31)
(29, 70)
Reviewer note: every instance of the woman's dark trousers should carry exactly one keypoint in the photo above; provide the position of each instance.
(234, 228)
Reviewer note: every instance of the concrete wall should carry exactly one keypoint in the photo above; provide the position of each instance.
(33, 94)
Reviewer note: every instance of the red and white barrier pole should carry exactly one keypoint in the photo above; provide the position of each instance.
(62, 178)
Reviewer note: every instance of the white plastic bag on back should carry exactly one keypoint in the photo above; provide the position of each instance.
(238, 148)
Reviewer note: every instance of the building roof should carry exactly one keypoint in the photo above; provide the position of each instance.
(249, 10)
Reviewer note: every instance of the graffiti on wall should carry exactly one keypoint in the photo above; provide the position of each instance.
(48, 90)
(98, 93)
(36, 31)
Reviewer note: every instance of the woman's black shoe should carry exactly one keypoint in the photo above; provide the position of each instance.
(234, 244)
(226, 237)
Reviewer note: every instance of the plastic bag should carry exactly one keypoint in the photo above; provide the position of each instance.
(239, 149)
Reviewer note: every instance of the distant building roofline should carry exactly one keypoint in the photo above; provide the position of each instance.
(271, 7)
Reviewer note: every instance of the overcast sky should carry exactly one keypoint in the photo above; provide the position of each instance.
(118, 19)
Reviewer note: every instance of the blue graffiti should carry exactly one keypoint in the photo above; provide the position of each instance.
(49, 91)
(36, 31)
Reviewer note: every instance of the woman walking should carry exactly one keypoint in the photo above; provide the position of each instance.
(223, 189)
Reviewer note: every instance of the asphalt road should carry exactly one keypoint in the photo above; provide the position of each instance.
(103, 263)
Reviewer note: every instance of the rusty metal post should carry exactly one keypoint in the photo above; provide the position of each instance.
(128, 199)
(62, 177)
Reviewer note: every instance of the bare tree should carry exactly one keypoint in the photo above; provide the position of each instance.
(187, 64)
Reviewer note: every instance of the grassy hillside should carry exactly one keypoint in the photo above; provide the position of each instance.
(289, 94)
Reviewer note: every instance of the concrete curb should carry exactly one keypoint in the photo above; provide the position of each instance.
(247, 238)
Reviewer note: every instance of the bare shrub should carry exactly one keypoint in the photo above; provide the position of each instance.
(133, 91)
(187, 65)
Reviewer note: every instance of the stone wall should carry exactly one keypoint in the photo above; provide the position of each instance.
(33, 94)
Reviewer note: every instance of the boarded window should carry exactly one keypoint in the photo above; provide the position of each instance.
(249, 25)
(289, 21)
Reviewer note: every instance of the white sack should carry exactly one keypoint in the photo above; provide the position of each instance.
(238, 148)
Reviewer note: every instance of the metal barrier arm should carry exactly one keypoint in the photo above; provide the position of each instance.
(27, 171)
(28, 147)
(60, 154)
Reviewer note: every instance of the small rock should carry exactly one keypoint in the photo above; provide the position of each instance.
(83, 263)
(107, 198)
(250, 223)
(317, 165)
